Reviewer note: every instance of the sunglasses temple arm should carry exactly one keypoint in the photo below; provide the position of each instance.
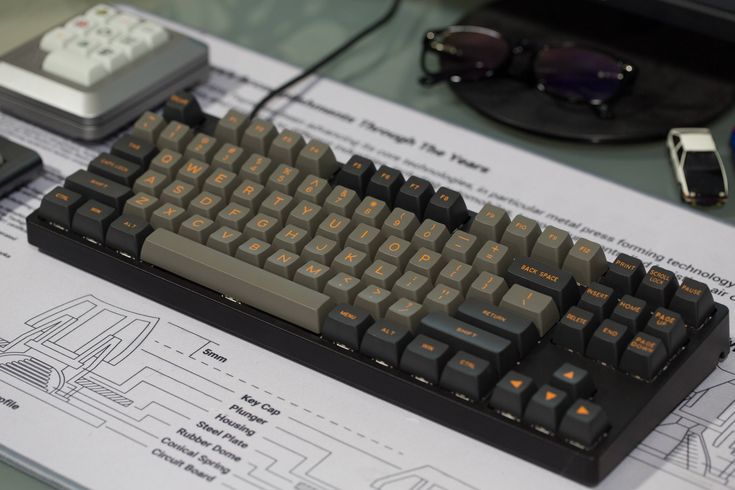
(444, 75)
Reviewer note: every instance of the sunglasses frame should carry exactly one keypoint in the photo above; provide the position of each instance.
(434, 43)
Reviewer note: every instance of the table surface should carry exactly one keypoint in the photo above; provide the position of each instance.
(385, 65)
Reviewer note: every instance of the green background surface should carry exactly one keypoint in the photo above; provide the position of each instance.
(386, 65)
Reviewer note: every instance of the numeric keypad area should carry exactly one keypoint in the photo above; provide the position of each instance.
(383, 265)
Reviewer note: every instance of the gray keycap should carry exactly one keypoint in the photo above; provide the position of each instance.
(313, 189)
(237, 279)
(169, 217)
(461, 246)
(317, 158)
(175, 136)
(141, 205)
(257, 168)
(306, 215)
(250, 194)
(488, 287)
(283, 263)
(193, 172)
(586, 262)
(151, 182)
(320, 249)
(229, 157)
(226, 240)
(234, 216)
(258, 137)
(221, 183)
(371, 211)
(167, 162)
(521, 235)
(530, 304)
(263, 227)
(457, 275)
(406, 313)
(286, 147)
(231, 127)
(335, 227)
(179, 193)
(278, 204)
(291, 238)
(443, 299)
(197, 228)
(313, 275)
(375, 300)
(254, 252)
(342, 201)
(351, 261)
(431, 235)
(206, 204)
(284, 178)
(426, 262)
(493, 257)
(381, 274)
(490, 223)
(413, 286)
(201, 147)
(148, 127)
(343, 288)
(395, 251)
(365, 238)
(401, 223)
(552, 246)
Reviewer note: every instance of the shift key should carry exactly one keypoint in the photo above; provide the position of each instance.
(98, 188)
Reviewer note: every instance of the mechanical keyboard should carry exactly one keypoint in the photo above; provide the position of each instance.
(515, 335)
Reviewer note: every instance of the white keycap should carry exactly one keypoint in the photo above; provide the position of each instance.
(82, 46)
(56, 38)
(80, 25)
(75, 67)
(131, 46)
(103, 34)
(153, 35)
(100, 13)
(110, 56)
(123, 22)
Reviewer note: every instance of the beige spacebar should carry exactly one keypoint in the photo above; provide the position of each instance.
(233, 277)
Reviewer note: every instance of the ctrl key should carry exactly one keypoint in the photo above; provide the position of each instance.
(584, 423)
(468, 375)
(59, 206)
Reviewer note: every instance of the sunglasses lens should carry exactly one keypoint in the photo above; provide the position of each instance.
(578, 74)
(473, 54)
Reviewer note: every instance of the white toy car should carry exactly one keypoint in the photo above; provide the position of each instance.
(697, 166)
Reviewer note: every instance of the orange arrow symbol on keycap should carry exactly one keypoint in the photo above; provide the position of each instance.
(569, 375)
(550, 395)
(582, 410)
(516, 383)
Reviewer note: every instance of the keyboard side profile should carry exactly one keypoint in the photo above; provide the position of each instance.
(560, 361)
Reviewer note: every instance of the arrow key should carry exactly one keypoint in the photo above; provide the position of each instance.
(574, 380)
(547, 407)
(584, 423)
(512, 393)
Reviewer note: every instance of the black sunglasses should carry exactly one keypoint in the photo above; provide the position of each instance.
(568, 72)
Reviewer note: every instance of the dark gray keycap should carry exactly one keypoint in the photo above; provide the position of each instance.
(167, 162)
(546, 408)
(237, 279)
(644, 357)
(201, 147)
(231, 127)
(313, 189)
(413, 286)
(151, 182)
(512, 394)
(693, 301)
(258, 137)
(90, 186)
(669, 327)
(342, 201)
(257, 168)
(115, 168)
(468, 375)
(520, 236)
(385, 342)
(320, 249)
(537, 307)
(575, 329)
(425, 357)
(169, 217)
(657, 287)
(206, 204)
(148, 127)
(624, 274)
(126, 235)
(318, 159)
(608, 342)
(226, 240)
(598, 299)
(197, 228)
(552, 246)
(141, 205)
(179, 193)
(574, 380)
(631, 312)
(263, 227)
(546, 279)
(490, 223)
(175, 136)
(431, 235)
(254, 252)
(286, 147)
(234, 215)
(520, 331)
(343, 288)
(92, 219)
(586, 261)
(229, 157)
(584, 423)
(381, 274)
(346, 325)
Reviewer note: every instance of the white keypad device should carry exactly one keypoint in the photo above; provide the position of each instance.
(98, 70)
